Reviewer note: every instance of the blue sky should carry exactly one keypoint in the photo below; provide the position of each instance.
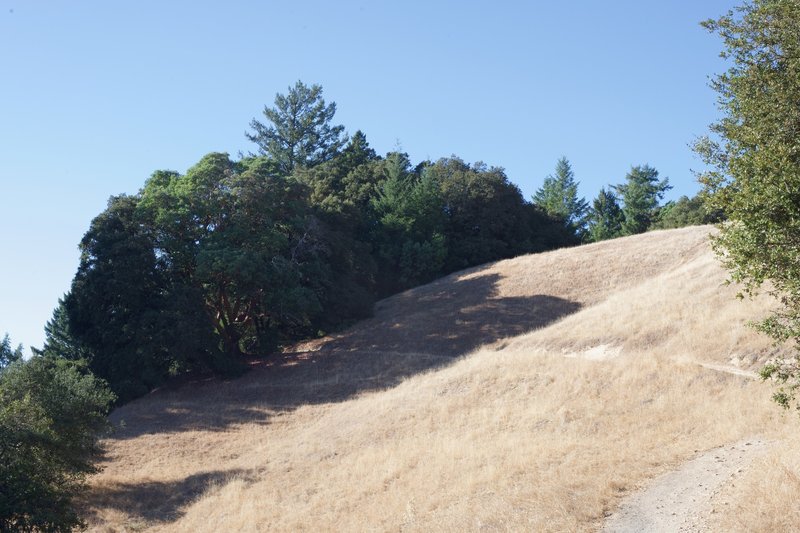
(95, 96)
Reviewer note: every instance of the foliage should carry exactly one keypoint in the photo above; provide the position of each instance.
(409, 208)
(241, 236)
(299, 132)
(8, 354)
(486, 217)
(684, 212)
(51, 412)
(236, 258)
(135, 322)
(605, 217)
(640, 195)
(558, 197)
(341, 192)
(59, 338)
(754, 154)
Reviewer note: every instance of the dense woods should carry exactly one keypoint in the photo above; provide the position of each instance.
(237, 257)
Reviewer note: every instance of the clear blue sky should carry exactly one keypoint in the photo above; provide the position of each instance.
(95, 96)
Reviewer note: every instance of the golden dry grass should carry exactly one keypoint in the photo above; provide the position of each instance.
(528, 395)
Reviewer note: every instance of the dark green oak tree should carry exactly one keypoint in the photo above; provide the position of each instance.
(754, 156)
(240, 234)
(51, 414)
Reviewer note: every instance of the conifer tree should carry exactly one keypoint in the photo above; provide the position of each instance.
(299, 130)
(641, 194)
(558, 197)
(605, 217)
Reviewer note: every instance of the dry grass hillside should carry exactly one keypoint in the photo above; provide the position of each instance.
(531, 394)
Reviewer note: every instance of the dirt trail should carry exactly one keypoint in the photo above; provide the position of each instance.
(736, 371)
(683, 499)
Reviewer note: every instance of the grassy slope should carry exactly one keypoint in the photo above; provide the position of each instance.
(529, 394)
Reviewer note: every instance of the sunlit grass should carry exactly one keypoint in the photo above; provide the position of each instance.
(392, 426)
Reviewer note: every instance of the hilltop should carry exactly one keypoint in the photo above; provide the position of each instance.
(534, 393)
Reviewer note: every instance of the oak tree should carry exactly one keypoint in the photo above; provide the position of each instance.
(754, 157)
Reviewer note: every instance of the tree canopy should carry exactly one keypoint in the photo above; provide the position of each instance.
(754, 157)
(51, 413)
(558, 197)
(299, 130)
(641, 194)
(235, 258)
(8, 354)
(685, 212)
(605, 217)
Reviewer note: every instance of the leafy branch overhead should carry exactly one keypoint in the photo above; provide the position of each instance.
(754, 156)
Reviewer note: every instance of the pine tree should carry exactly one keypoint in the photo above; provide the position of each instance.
(300, 132)
(641, 194)
(8, 354)
(59, 341)
(558, 197)
(605, 217)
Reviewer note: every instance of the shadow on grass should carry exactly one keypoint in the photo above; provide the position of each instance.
(157, 502)
(412, 332)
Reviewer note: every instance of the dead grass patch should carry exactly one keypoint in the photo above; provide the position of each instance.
(764, 497)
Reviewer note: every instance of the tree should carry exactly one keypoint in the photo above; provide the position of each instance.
(487, 218)
(409, 235)
(558, 197)
(343, 187)
(605, 217)
(117, 302)
(754, 157)
(641, 194)
(8, 354)
(299, 132)
(684, 212)
(240, 236)
(341, 192)
(51, 413)
(59, 339)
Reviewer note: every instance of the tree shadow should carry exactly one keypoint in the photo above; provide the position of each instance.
(412, 332)
(156, 501)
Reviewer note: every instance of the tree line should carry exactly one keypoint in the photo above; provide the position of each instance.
(236, 257)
